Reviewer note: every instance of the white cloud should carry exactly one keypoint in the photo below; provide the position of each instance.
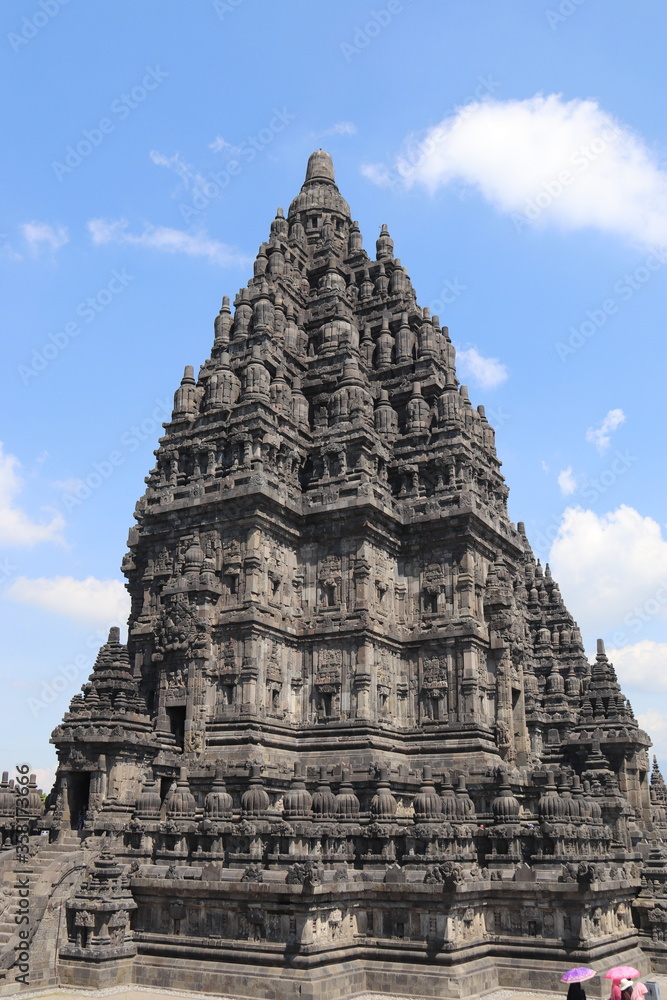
(41, 236)
(612, 569)
(220, 145)
(190, 179)
(92, 601)
(378, 173)
(641, 665)
(6, 249)
(655, 724)
(601, 436)
(543, 159)
(566, 481)
(68, 485)
(167, 240)
(45, 777)
(340, 128)
(16, 527)
(653, 721)
(545, 468)
(487, 373)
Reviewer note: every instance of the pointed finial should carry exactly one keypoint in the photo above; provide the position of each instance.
(188, 376)
(114, 634)
(320, 167)
(355, 241)
(384, 244)
(261, 262)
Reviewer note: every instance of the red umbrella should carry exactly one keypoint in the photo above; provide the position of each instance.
(579, 975)
(621, 972)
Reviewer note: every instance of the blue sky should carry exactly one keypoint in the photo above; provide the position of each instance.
(515, 150)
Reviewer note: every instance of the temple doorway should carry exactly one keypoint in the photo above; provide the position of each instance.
(176, 715)
(78, 793)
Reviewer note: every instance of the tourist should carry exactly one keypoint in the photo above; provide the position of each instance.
(615, 989)
(625, 987)
(576, 992)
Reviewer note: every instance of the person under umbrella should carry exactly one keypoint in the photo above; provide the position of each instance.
(575, 977)
(625, 987)
(616, 989)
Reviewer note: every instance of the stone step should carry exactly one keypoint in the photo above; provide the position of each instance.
(54, 852)
(51, 856)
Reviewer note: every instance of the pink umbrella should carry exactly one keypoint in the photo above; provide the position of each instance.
(579, 975)
(621, 972)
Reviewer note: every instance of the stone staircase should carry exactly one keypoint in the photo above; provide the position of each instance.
(43, 869)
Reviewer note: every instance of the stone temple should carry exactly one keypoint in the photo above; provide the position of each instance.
(353, 742)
